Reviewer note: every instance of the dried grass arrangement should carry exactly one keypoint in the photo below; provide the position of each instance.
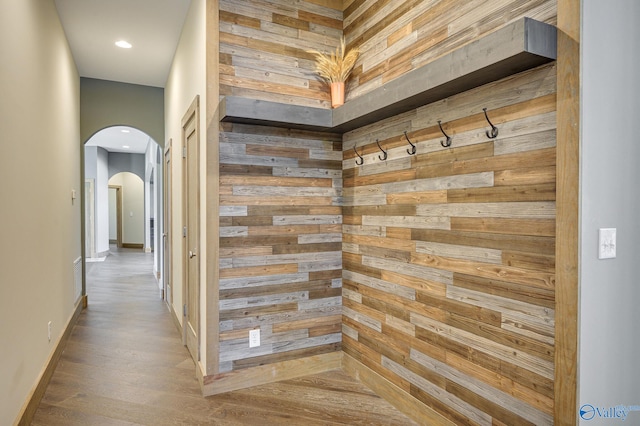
(335, 69)
(336, 66)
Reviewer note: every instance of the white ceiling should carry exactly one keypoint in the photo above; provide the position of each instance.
(153, 27)
(121, 139)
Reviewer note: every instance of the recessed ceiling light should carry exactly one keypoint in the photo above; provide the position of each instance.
(124, 44)
(126, 146)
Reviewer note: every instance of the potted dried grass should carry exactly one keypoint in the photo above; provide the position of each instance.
(335, 69)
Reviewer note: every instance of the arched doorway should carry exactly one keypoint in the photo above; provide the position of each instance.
(126, 158)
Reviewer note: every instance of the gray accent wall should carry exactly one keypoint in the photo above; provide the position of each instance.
(609, 345)
(124, 162)
(108, 103)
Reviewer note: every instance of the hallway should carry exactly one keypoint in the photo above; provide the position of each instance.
(125, 364)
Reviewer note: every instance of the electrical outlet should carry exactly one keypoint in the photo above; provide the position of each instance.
(254, 338)
(49, 330)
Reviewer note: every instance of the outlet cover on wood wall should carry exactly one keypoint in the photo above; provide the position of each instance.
(254, 338)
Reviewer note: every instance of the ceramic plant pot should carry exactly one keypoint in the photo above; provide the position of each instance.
(337, 94)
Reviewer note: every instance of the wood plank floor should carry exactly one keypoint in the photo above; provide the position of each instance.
(125, 364)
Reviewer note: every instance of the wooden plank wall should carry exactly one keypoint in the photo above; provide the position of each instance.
(264, 44)
(447, 271)
(264, 48)
(396, 37)
(280, 244)
(448, 255)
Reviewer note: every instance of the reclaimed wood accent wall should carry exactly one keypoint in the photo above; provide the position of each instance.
(448, 254)
(264, 45)
(396, 37)
(280, 244)
(438, 268)
(264, 49)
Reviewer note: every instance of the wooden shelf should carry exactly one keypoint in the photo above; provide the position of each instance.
(252, 111)
(519, 46)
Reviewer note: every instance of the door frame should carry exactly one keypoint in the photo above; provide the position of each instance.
(118, 189)
(191, 249)
(167, 234)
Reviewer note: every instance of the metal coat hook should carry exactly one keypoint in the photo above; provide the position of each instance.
(383, 151)
(359, 156)
(494, 129)
(443, 143)
(413, 147)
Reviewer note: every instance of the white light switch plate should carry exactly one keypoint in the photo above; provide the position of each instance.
(606, 243)
(254, 338)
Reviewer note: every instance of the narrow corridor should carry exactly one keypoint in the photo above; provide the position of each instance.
(125, 364)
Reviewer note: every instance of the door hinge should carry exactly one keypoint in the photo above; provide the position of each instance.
(184, 152)
(184, 231)
(184, 310)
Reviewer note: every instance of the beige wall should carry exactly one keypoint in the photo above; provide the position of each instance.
(187, 79)
(132, 207)
(40, 157)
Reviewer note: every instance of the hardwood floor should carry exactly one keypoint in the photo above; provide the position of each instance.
(125, 364)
